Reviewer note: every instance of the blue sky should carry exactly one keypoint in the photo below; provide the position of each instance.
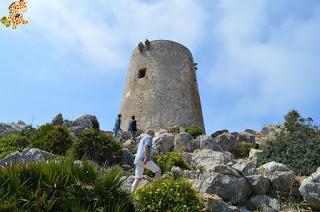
(257, 59)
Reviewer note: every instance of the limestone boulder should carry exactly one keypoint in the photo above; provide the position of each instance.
(250, 131)
(219, 132)
(131, 145)
(27, 155)
(243, 137)
(246, 168)
(82, 123)
(57, 120)
(231, 188)
(206, 159)
(127, 156)
(176, 171)
(127, 183)
(310, 190)
(253, 155)
(264, 203)
(164, 142)
(6, 128)
(207, 142)
(280, 176)
(258, 184)
(227, 141)
(215, 203)
(183, 142)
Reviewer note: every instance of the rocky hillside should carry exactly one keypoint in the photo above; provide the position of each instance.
(228, 171)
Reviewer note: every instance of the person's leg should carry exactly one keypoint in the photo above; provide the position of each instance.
(152, 166)
(138, 175)
(135, 184)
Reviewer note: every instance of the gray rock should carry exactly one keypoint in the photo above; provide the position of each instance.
(227, 141)
(253, 132)
(219, 132)
(229, 187)
(310, 190)
(206, 159)
(244, 138)
(82, 123)
(214, 203)
(271, 130)
(189, 174)
(164, 142)
(57, 120)
(280, 176)
(253, 155)
(207, 142)
(258, 184)
(127, 183)
(131, 145)
(263, 202)
(27, 155)
(6, 128)
(246, 168)
(183, 142)
(176, 171)
(127, 156)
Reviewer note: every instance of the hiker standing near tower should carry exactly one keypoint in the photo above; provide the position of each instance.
(133, 128)
(117, 126)
(143, 160)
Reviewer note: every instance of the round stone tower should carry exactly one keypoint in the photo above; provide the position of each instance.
(161, 87)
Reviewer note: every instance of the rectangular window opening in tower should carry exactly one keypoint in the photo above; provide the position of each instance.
(142, 73)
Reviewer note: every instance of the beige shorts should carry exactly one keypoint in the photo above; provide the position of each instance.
(152, 166)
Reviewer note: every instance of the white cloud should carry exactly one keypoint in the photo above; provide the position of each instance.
(267, 65)
(103, 31)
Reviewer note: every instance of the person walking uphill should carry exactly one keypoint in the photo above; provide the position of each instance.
(143, 160)
(117, 125)
(133, 128)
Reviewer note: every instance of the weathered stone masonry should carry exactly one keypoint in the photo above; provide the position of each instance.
(161, 87)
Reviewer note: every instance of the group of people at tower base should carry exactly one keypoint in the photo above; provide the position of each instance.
(143, 158)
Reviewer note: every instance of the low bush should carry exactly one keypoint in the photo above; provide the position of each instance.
(54, 139)
(242, 149)
(167, 195)
(11, 143)
(297, 145)
(62, 186)
(194, 130)
(98, 147)
(170, 159)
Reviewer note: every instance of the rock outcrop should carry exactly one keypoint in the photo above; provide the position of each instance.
(280, 176)
(310, 190)
(27, 155)
(6, 128)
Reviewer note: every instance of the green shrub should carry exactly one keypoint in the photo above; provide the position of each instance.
(11, 143)
(170, 159)
(99, 147)
(242, 149)
(167, 195)
(194, 130)
(62, 186)
(54, 139)
(297, 146)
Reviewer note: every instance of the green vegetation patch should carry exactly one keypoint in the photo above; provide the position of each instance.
(297, 145)
(167, 195)
(99, 147)
(194, 130)
(62, 186)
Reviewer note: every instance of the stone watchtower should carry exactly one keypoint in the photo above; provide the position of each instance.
(161, 87)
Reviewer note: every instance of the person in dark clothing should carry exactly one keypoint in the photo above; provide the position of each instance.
(133, 128)
(117, 125)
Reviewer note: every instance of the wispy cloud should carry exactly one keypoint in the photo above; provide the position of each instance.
(267, 61)
(103, 31)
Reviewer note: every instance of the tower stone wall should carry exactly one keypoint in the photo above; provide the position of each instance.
(161, 87)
